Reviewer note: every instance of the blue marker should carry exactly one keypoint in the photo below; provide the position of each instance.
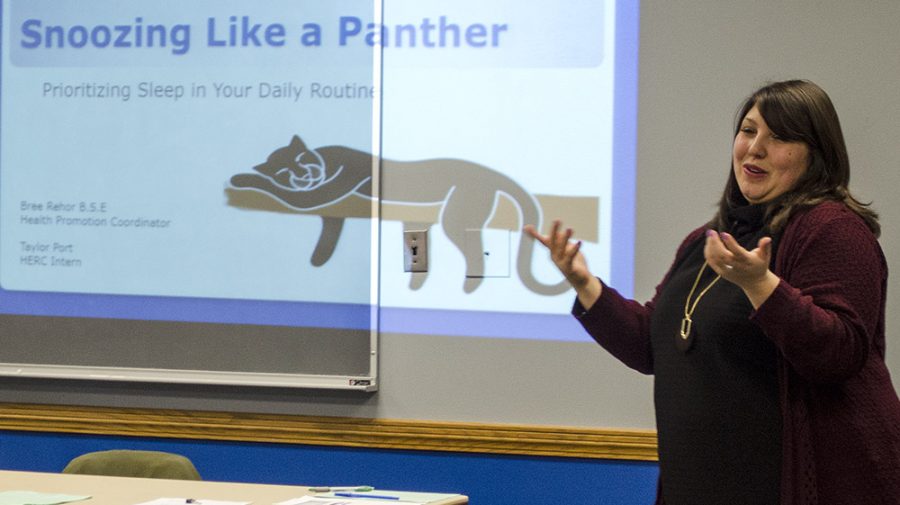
(361, 495)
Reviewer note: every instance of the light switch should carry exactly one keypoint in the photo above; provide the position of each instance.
(415, 251)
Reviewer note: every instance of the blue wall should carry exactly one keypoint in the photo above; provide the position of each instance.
(486, 479)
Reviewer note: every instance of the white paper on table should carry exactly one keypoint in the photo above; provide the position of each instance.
(20, 497)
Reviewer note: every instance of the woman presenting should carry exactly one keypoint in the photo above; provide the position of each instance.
(766, 337)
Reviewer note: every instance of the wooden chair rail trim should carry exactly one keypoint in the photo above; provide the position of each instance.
(594, 443)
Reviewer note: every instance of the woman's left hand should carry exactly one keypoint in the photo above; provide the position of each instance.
(749, 270)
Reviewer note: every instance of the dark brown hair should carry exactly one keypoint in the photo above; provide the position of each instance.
(801, 111)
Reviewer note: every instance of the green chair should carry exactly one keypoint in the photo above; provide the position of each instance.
(125, 463)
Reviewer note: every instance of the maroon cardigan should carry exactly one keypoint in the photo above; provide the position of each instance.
(841, 415)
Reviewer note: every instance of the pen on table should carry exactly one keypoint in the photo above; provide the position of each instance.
(326, 489)
(363, 495)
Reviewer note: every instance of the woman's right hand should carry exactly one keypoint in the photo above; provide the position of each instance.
(567, 257)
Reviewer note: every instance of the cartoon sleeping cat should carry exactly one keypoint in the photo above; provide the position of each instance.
(307, 179)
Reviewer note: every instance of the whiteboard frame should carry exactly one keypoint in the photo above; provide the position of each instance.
(367, 383)
(360, 383)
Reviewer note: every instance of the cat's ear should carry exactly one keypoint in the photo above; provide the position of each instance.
(296, 142)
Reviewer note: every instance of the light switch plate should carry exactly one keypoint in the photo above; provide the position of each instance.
(415, 251)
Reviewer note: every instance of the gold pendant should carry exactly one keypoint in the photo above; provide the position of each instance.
(686, 327)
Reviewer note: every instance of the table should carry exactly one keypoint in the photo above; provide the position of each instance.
(131, 490)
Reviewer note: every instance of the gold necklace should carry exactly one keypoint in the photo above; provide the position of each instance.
(689, 308)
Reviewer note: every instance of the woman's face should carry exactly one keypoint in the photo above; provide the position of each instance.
(766, 166)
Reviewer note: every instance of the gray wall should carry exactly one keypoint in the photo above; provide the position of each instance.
(699, 58)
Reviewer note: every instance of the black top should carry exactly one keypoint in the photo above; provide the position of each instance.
(717, 409)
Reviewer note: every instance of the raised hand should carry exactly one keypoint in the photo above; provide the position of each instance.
(748, 269)
(567, 257)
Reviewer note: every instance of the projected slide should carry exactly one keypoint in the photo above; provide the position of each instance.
(167, 160)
